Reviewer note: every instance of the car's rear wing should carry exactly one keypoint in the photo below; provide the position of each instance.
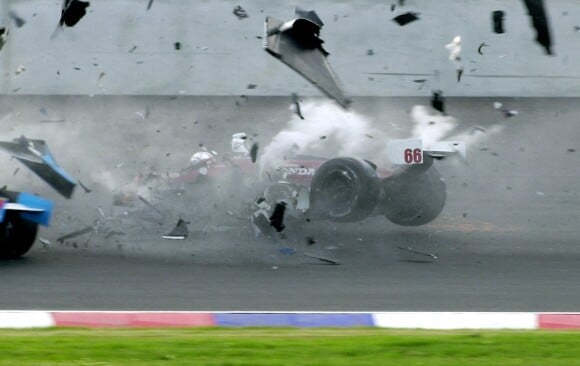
(413, 151)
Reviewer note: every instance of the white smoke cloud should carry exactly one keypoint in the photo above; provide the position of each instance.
(327, 131)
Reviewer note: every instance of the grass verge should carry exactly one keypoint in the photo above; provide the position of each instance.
(286, 346)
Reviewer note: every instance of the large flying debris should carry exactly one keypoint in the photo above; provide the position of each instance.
(297, 44)
(72, 11)
(3, 36)
(36, 156)
(179, 232)
(21, 213)
(537, 12)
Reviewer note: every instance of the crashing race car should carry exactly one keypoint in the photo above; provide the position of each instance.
(348, 189)
(342, 189)
(21, 213)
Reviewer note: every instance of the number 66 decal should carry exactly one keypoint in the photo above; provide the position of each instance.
(413, 156)
(405, 151)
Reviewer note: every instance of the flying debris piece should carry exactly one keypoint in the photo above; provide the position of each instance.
(454, 48)
(497, 20)
(87, 190)
(251, 86)
(417, 256)
(370, 52)
(72, 12)
(437, 101)
(322, 258)
(132, 49)
(177, 46)
(74, 234)
(149, 4)
(101, 75)
(16, 18)
(277, 218)
(323, 138)
(179, 232)
(254, 152)
(296, 101)
(459, 73)
(537, 11)
(310, 240)
(571, 150)
(36, 156)
(19, 69)
(297, 44)
(17, 169)
(506, 112)
(406, 18)
(240, 12)
(148, 204)
(480, 48)
(3, 36)
(45, 242)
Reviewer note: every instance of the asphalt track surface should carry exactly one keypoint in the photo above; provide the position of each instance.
(508, 240)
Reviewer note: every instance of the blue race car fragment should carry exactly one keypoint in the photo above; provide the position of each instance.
(21, 213)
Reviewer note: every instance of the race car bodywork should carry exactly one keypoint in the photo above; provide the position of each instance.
(21, 213)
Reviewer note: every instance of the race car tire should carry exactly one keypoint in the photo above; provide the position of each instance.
(16, 236)
(413, 197)
(344, 190)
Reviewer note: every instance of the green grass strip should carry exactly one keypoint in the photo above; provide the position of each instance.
(286, 346)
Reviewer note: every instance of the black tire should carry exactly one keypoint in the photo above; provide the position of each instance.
(16, 235)
(344, 190)
(413, 197)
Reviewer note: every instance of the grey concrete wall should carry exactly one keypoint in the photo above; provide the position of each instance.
(221, 55)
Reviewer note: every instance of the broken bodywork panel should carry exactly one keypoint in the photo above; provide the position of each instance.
(297, 44)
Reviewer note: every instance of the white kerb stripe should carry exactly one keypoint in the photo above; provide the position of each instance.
(457, 320)
(26, 319)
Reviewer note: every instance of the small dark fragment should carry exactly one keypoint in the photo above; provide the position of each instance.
(132, 49)
(74, 234)
(240, 12)
(277, 217)
(177, 46)
(16, 18)
(113, 233)
(87, 190)
(17, 169)
(537, 12)
(459, 73)
(370, 52)
(480, 48)
(321, 258)
(179, 232)
(296, 101)
(251, 86)
(323, 138)
(497, 20)
(72, 12)
(571, 150)
(437, 101)
(406, 18)
(418, 256)
(254, 152)
(149, 4)
(3, 35)
(310, 240)
(149, 205)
